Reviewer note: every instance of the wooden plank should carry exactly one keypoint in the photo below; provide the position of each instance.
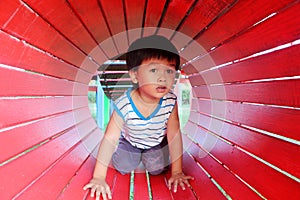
(154, 12)
(187, 194)
(62, 171)
(274, 93)
(134, 17)
(121, 187)
(30, 84)
(280, 121)
(17, 140)
(7, 8)
(159, 187)
(25, 25)
(85, 173)
(74, 189)
(202, 15)
(280, 29)
(92, 17)
(269, 182)
(68, 25)
(175, 12)
(242, 16)
(280, 153)
(140, 186)
(20, 173)
(17, 53)
(29, 58)
(202, 185)
(233, 187)
(116, 82)
(281, 63)
(113, 12)
(43, 107)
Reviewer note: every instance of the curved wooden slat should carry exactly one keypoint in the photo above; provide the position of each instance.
(272, 92)
(281, 63)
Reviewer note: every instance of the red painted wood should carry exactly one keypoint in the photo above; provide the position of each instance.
(202, 185)
(26, 25)
(228, 181)
(154, 12)
(121, 187)
(75, 187)
(269, 182)
(7, 8)
(62, 172)
(279, 153)
(25, 83)
(31, 59)
(282, 63)
(41, 159)
(111, 179)
(134, 17)
(239, 18)
(274, 92)
(21, 138)
(280, 121)
(236, 20)
(93, 19)
(176, 11)
(67, 24)
(114, 14)
(54, 37)
(181, 194)
(277, 30)
(92, 88)
(159, 187)
(140, 186)
(17, 111)
(201, 16)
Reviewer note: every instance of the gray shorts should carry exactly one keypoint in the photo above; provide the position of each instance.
(127, 157)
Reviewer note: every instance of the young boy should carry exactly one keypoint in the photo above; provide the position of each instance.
(144, 125)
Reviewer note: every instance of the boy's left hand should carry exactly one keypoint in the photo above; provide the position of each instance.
(179, 179)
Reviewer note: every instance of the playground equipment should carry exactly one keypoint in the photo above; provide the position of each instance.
(242, 140)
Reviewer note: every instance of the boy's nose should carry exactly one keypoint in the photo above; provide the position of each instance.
(162, 77)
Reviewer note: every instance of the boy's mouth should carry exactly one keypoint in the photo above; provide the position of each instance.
(161, 89)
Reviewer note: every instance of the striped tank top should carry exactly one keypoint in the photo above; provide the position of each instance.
(144, 132)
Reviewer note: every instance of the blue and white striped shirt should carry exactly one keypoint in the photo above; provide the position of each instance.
(144, 132)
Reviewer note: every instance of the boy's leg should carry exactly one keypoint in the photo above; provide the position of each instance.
(126, 158)
(156, 159)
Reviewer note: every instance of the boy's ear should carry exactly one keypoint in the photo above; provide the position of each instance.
(133, 76)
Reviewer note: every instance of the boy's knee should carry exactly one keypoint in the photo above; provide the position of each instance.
(155, 164)
(123, 164)
(158, 171)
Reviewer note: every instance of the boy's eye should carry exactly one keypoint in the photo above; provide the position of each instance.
(153, 70)
(169, 71)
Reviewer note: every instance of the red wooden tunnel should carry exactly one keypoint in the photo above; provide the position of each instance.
(242, 140)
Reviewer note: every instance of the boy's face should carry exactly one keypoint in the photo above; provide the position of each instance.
(155, 77)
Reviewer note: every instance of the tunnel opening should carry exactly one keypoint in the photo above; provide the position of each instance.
(111, 80)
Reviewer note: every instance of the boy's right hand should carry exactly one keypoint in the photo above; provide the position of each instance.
(99, 186)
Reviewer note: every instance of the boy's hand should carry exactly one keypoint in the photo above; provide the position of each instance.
(99, 186)
(180, 179)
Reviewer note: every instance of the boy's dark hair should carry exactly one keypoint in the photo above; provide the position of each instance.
(154, 46)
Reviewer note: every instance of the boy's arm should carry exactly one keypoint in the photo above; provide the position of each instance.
(176, 150)
(107, 147)
(175, 141)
